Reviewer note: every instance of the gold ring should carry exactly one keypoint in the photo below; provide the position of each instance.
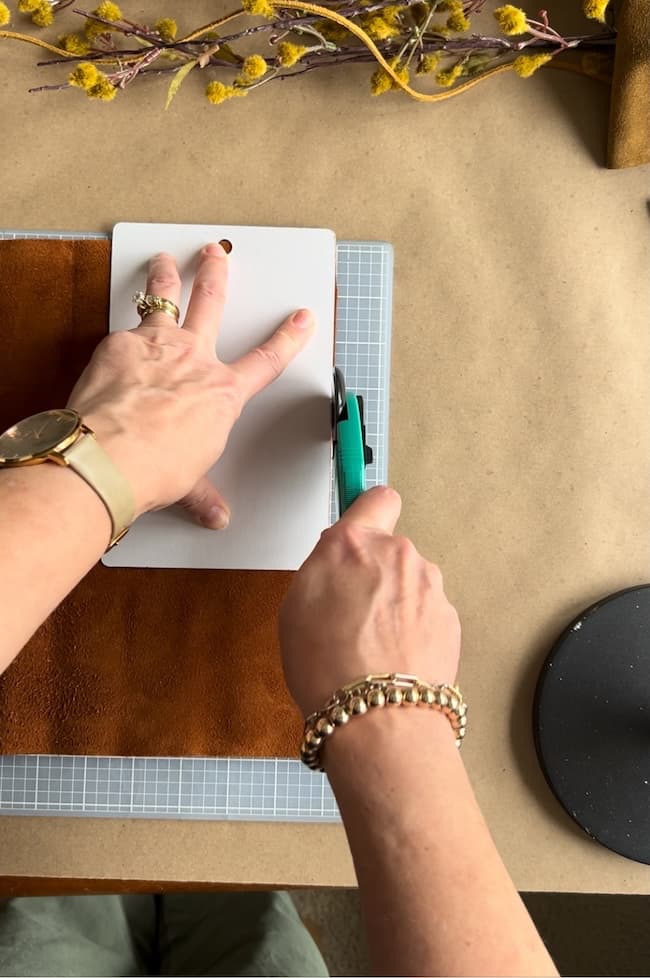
(146, 304)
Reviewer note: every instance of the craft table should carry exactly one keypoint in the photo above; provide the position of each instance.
(519, 390)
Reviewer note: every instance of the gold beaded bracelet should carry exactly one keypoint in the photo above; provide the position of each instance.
(370, 692)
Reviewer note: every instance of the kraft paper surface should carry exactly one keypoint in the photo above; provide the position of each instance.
(520, 375)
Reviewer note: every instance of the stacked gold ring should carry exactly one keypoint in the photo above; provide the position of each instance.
(146, 303)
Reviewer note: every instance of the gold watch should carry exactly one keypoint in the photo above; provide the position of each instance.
(61, 436)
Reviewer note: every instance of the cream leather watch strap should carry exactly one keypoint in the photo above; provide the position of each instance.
(89, 460)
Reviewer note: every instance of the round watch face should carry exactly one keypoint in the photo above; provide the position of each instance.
(35, 437)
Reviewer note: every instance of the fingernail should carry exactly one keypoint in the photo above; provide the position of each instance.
(303, 318)
(216, 518)
(214, 249)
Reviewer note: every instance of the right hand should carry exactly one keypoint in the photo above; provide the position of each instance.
(365, 602)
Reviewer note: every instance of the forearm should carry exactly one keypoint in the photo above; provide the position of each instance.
(53, 529)
(436, 896)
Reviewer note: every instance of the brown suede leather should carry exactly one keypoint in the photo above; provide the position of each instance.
(136, 662)
(629, 125)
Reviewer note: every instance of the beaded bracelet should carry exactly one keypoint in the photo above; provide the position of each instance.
(371, 692)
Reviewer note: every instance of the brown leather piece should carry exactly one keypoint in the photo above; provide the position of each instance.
(629, 124)
(133, 662)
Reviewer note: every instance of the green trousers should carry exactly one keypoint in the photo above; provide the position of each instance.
(258, 933)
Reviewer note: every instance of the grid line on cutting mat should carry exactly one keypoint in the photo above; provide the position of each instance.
(267, 789)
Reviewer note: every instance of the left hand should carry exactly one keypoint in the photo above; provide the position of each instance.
(163, 405)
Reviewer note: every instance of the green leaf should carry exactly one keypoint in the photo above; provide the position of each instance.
(227, 53)
(178, 80)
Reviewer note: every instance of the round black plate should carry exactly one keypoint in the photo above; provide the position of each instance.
(592, 721)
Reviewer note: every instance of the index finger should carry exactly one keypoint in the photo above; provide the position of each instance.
(376, 509)
(208, 296)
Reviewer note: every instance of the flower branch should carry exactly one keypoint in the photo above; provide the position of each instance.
(402, 38)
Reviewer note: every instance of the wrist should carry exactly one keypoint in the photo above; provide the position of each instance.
(57, 493)
(119, 446)
(385, 738)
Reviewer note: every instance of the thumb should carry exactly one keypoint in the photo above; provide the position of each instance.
(377, 509)
(206, 505)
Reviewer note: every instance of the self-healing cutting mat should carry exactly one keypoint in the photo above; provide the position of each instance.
(112, 672)
(235, 789)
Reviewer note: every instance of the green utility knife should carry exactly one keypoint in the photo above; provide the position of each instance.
(350, 448)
